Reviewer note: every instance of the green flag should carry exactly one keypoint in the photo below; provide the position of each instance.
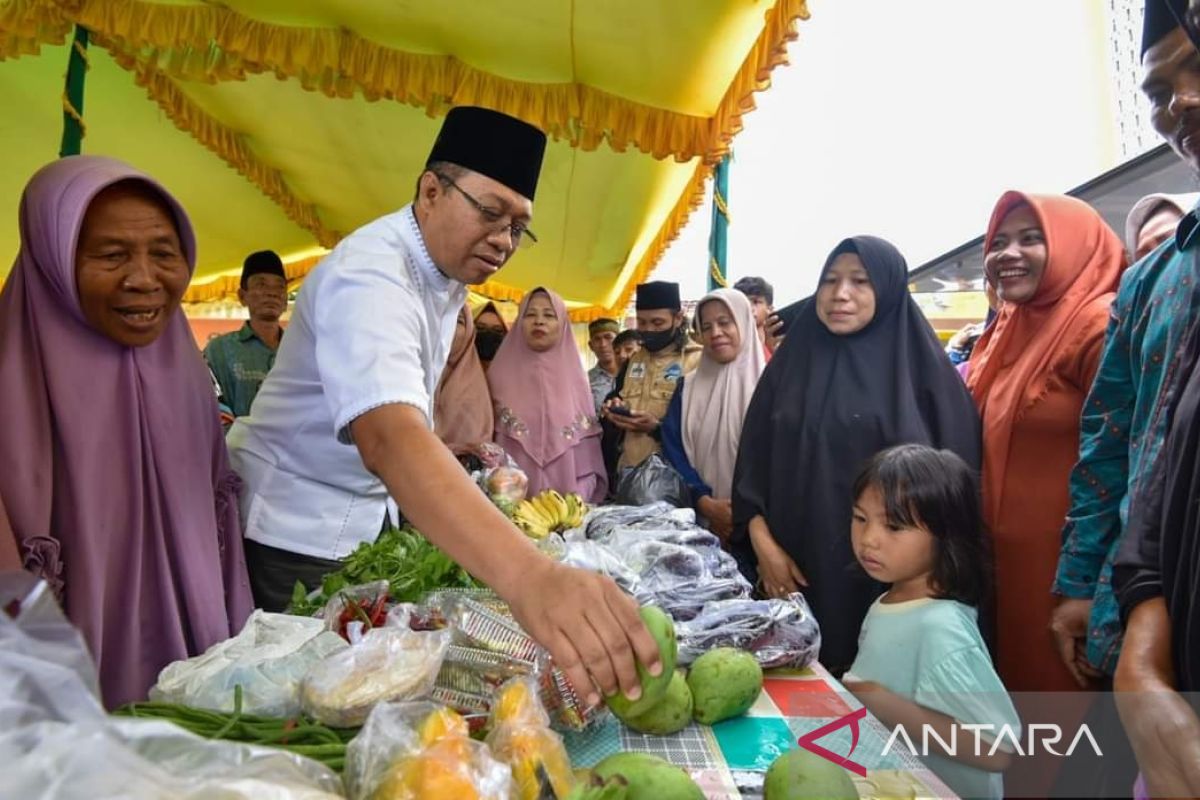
(73, 127)
(717, 262)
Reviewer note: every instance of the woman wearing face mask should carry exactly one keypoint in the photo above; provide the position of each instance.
(861, 371)
(703, 426)
(1055, 265)
(545, 418)
(462, 407)
(490, 330)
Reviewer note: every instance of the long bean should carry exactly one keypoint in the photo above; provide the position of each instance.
(297, 735)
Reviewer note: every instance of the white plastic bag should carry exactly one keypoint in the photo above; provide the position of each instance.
(390, 663)
(268, 659)
(57, 743)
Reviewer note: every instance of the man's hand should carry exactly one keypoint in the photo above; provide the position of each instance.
(591, 628)
(636, 422)
(1162, 728)
(719, 514)
(1069, 626)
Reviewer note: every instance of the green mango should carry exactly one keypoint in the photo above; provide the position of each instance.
(593, 787)
(669, 715)
(725, 682)
(653, 687)
(801, 775)
(649, 777)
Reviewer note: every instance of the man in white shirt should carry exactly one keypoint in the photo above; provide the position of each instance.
(344, 419)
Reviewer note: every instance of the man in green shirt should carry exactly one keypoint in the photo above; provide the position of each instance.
(241, 360)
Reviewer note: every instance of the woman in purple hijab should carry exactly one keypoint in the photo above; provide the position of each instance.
(113, 469)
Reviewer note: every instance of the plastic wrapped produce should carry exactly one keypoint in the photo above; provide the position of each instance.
(491, 646)
(268, 659)
(422, 751)
(57, 742)
(779, 632)
(521, 737)
(601, 521)
(390, 663)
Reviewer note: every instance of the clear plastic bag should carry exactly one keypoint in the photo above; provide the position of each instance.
(389, 664)
(57, 743)
(421, 751)
(521, 737)
(600, 522)
(779, 632)
(353, 611)
(268, 659)
(501, 479)
(679, 570)
(652, 481)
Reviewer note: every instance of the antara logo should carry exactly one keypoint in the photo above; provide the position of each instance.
(987, 738)
(809, 741)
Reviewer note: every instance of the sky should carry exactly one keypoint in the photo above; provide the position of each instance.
(908, 121)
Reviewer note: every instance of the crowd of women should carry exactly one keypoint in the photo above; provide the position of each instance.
(858, 465)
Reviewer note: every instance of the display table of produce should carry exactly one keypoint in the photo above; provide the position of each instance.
(729, 760)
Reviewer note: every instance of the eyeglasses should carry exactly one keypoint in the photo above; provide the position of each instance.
(493, 217)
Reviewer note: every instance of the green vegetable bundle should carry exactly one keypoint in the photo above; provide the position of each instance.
(404, 558)
(298, 735)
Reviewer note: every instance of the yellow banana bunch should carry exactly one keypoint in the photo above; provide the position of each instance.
(549, 511)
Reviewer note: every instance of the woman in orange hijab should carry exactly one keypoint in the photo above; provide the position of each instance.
(1055, 264)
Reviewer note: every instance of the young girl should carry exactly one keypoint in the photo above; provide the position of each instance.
(922, 662)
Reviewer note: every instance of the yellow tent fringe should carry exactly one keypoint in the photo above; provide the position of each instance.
(691, 199)
(226, 286)
(178, 42)
(26, 25)
(227, 144)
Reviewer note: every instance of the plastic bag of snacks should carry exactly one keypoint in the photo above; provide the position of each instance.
(482, 622)
(389, 663)
(422, 751)
(521, 737)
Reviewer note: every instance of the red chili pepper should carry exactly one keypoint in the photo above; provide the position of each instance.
(378, 613)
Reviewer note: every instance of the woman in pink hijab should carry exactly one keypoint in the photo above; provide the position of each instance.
(113, 469)
(545, 416)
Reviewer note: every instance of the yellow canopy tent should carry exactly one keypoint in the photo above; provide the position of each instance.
(325, 111)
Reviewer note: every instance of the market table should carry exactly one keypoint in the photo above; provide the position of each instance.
(729, 760)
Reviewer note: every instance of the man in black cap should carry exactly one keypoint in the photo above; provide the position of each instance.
(344, 421)
(602, 333)
(645, 386)
(241, 360)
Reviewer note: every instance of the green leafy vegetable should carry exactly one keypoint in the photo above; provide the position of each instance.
(404, 558)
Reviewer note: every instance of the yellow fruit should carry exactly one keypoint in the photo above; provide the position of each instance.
(440, 772)
(524, 748)
(516, 702)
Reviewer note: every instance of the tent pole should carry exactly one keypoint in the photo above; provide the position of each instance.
(74, 128)
(717, 261)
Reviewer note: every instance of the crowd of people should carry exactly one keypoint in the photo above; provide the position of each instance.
(1013, 511)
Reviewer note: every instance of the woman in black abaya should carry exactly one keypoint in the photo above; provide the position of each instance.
(861, 370)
